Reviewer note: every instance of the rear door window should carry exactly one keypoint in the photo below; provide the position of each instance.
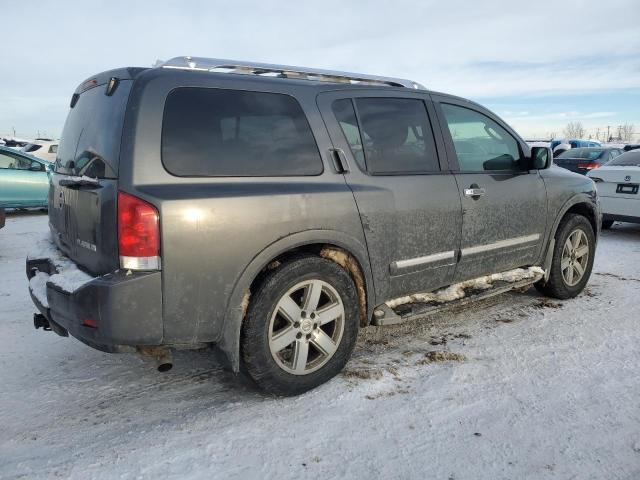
(393, 135)
(218, 132)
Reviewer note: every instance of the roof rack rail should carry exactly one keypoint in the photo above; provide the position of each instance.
(283, 71)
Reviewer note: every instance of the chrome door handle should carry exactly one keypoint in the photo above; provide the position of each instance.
(474, 192)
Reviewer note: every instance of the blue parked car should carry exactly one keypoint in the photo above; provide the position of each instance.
(24, 180)
(576, 143)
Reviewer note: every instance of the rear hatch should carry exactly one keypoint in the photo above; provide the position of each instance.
(84, 187)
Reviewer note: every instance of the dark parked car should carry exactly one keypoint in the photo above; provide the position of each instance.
(631, 146)
(583, 160)
(271, 211)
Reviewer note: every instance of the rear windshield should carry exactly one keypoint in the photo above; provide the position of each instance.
(629, 159)
(585, 153)
(217, 132)
(90, 142)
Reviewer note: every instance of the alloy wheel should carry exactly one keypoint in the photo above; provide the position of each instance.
(575, 256)
(306, 327)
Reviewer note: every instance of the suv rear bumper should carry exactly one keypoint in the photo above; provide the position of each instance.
(126, 308)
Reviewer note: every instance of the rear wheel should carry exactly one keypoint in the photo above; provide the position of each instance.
(572, 261)
(607, 224)
(301, 326)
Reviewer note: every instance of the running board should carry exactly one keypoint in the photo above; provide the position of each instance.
(385, 315)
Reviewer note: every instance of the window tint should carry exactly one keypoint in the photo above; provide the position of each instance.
(216, 132)
(481, 144)
(397, 136)
(17, 163)
(346, 117)
(90, 141)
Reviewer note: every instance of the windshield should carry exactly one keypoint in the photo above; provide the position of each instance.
(629, 159)
(583, 153)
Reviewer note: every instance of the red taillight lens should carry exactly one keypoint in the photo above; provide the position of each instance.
(589, 166)
(138, 228)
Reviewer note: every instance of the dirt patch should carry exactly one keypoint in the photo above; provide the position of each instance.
(441, 356)
(388, 393)
(439, 340)
(504, 320)
(363, 373)
(547, 303)
(350, 264)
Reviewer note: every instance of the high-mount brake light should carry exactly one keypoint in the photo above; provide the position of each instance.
(138, 233)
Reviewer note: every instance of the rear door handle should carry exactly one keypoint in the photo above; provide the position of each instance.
(339, 160)
(474, 192)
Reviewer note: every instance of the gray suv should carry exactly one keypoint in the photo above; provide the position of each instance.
(270, 211)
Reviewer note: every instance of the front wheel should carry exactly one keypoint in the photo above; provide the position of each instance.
(572, 261)
(301, 326)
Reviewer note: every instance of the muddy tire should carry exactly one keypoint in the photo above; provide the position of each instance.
(572, 261)
(607, 224)
(301, 326)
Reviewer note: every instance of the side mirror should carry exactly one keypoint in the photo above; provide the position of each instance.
(36, 167)
(540, 158)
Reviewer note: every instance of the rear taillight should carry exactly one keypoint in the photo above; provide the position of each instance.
(588, 166)
(138, 233)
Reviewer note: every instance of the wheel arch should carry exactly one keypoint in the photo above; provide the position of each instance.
(581, 204)
(347, 251)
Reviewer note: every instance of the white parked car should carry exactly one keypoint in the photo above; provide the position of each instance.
(618, 182)
(42, 148)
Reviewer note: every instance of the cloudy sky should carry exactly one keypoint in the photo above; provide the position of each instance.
(539, 64)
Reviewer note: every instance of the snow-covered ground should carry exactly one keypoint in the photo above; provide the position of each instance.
(515, 387)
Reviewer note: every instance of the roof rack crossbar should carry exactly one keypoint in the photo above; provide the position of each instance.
(284, 71)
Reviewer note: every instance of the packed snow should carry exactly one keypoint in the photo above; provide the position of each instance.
(518, 386)
(83, 180)
(68, 277)
(459, 290)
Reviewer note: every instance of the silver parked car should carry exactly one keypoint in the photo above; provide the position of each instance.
(270, 211)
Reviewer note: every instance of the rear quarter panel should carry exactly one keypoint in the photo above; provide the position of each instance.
(214, 230)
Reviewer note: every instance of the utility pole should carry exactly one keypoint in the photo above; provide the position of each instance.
(608, 137)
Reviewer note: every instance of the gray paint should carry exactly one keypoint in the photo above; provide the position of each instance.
(409, 233)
